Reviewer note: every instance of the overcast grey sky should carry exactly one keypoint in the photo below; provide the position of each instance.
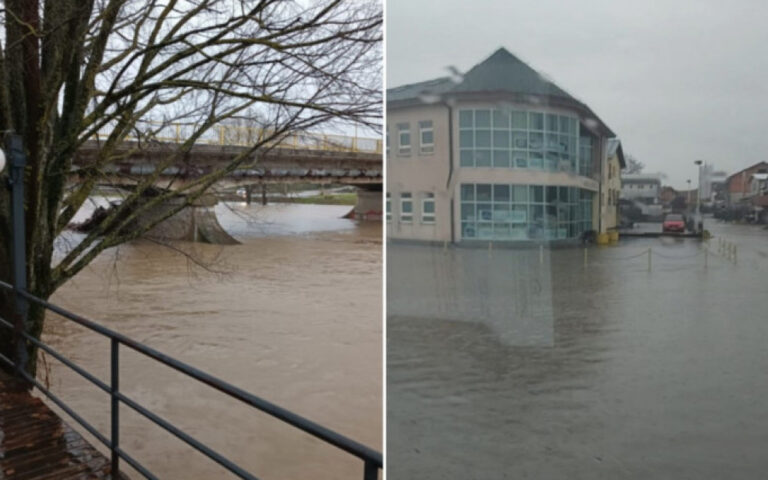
(677, 80)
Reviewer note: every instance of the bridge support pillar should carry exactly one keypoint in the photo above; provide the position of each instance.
(369, 204)
(196, 223)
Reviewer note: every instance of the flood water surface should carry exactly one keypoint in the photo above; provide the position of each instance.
(502, 364)
(293, 315)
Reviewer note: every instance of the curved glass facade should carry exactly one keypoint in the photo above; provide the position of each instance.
(524, 212)
(521, 139)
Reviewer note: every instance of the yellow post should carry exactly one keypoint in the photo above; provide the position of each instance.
(221, 134)
(178, 133)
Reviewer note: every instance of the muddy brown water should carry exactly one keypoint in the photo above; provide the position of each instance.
(502, 366)
(292, 315)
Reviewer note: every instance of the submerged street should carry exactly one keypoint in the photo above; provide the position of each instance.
(502, 364)
(293, 315)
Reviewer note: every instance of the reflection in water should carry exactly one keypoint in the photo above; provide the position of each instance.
(650, 375)
(294, 319)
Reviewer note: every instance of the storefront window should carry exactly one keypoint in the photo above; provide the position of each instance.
(524, 212)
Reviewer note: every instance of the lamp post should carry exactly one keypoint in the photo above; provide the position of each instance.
(698, 197)
(688, 200)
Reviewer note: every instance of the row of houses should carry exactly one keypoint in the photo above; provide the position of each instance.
(500, 153)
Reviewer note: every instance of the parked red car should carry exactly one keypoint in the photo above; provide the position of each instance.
(673, 222)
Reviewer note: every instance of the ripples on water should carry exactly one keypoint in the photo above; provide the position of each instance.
(292, 315)
(626, 373)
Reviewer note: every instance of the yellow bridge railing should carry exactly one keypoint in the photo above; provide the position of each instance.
(237, 136)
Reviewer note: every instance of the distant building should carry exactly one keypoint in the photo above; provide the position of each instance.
(712, 184)
(611, 183)
(668, 195)
(499, 154)
(643, 187)
(739, 186)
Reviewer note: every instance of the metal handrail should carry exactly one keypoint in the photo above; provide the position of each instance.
(234, 135)
(372, 460)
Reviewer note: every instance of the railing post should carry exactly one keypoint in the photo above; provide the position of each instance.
(371, 471)
(115, 406)
(14, 147)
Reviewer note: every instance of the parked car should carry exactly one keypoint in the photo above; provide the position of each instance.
(673, 222)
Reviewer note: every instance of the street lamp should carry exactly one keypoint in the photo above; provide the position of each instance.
(688, 201)
(698, 196)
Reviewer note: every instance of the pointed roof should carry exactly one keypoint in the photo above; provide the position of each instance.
(504, 72)
(500, 75)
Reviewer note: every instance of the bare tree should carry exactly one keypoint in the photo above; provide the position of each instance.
(634, 165)
(72, 71)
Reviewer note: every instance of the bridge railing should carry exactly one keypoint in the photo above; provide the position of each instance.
(240, 136)
(371, 459)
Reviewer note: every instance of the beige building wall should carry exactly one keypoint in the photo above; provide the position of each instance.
(419, 172)
(612, 186)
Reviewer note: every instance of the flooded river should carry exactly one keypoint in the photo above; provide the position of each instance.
(502, 364)
(292, 315)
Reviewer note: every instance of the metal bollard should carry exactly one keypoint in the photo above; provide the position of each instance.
(490, 249)
(541, 254)
(706, 257)
(585, 257)
(735, 254)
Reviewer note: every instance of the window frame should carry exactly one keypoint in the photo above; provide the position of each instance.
(426, 126)
(404, 129)
(406, 197)
(428, 198)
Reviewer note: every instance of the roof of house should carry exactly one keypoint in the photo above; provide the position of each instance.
(613, 147)
(641, 178)
(756, 165)
(501, 74)
(504, 72)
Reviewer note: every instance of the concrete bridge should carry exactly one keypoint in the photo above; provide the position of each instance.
(297, 158)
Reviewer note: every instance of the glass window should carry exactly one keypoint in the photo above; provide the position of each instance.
(482, 158)
(482, 119)
(501, 193)
(426, 137)
(500, 139)
(467, 158)
(520, 120)
(467, 192)
(467, 139)
(465, 119)
(406, 207)
(536, 121)
(501, 158)
(428, 208)
(482, 138)
(404, 138)
(552, 125)
(500, 119)
(483, 192)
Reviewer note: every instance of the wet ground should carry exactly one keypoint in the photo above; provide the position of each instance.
(293, 315)
(502, 364)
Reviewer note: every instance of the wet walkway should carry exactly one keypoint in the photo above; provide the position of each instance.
(35, 444)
